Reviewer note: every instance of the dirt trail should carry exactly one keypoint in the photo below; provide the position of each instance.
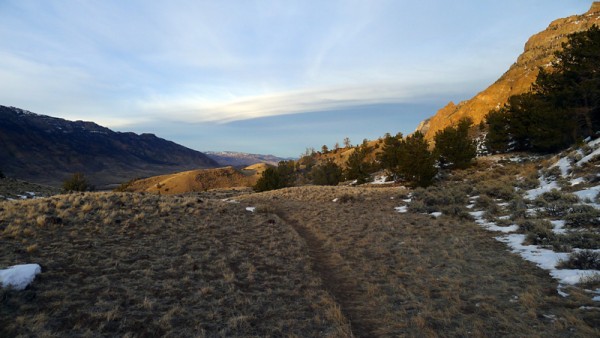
(339, 282)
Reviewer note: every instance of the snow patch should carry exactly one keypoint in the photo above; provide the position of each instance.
(401, 209)
(546, 259)
(564, 166)
(545, 186)
(19, 276)
(436, 214)
(559, 227)
(251, 209)
(589, 193)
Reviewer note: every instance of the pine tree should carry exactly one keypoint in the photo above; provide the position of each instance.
(498, 136)
(416, 162)
(327, 173)
(286, 171)
(390, 154)
(269, 180)
(357, 166)
(454, 147)
(563, 107)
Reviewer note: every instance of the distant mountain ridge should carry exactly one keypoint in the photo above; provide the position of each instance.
(238, 159)
(45, 149)
(538, 52)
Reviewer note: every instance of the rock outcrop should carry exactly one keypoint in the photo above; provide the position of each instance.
(538, 52)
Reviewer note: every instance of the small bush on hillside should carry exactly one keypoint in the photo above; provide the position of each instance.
(582, 215)
(347, 198)
(541, 235)
(497, 189)
(417, 207)
(574, 157)
(555, 195)
(552, 174)
(484, 202)
(77, 182)
(531, 225)
(529, 182)
(2, 175)
(584, 260)
(580, 240)
(456, 211)
(518, 208)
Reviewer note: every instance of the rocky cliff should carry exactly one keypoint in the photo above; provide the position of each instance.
(538, 52)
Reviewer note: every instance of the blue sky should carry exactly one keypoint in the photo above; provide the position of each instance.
(260, 76)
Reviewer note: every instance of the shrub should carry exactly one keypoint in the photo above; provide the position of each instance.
(584, 260)
(553, 173)
(347, 198)
(270, 180)
(328, 173)
(555, 195)
(2, 175)
(529, 182)
(530, 225)
(580, 240)
(485, 202)
(457, 211)
(497, 189)
(541, 235)
(417, 206)
(77, 182)
(518, 208)
(582, 215)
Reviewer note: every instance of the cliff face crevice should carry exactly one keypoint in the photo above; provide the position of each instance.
(538, 52)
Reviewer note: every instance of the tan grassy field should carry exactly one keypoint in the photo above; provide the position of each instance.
(301, 265)
(146, 265)
(198, 180)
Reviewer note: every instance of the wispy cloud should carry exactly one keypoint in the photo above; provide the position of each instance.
(198, 109)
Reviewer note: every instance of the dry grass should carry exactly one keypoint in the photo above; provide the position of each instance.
(122, 264)
(146, 265)
(414, 275)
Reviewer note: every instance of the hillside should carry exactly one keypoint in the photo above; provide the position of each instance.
(538, 52)
(46, 150)
(308, 261)
(199, 180)
(237, 159)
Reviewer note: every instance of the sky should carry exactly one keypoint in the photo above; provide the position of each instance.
(268, 77)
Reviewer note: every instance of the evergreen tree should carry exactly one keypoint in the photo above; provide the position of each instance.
(563, 107)
(269, 180)
(498, 136)
(286, 171)
(416, 162)
(282, 176)
(454, 147)
(2, 175)
(574, 84)
(324, 149)
(390, 154)
(357, 167)
(327, 173)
